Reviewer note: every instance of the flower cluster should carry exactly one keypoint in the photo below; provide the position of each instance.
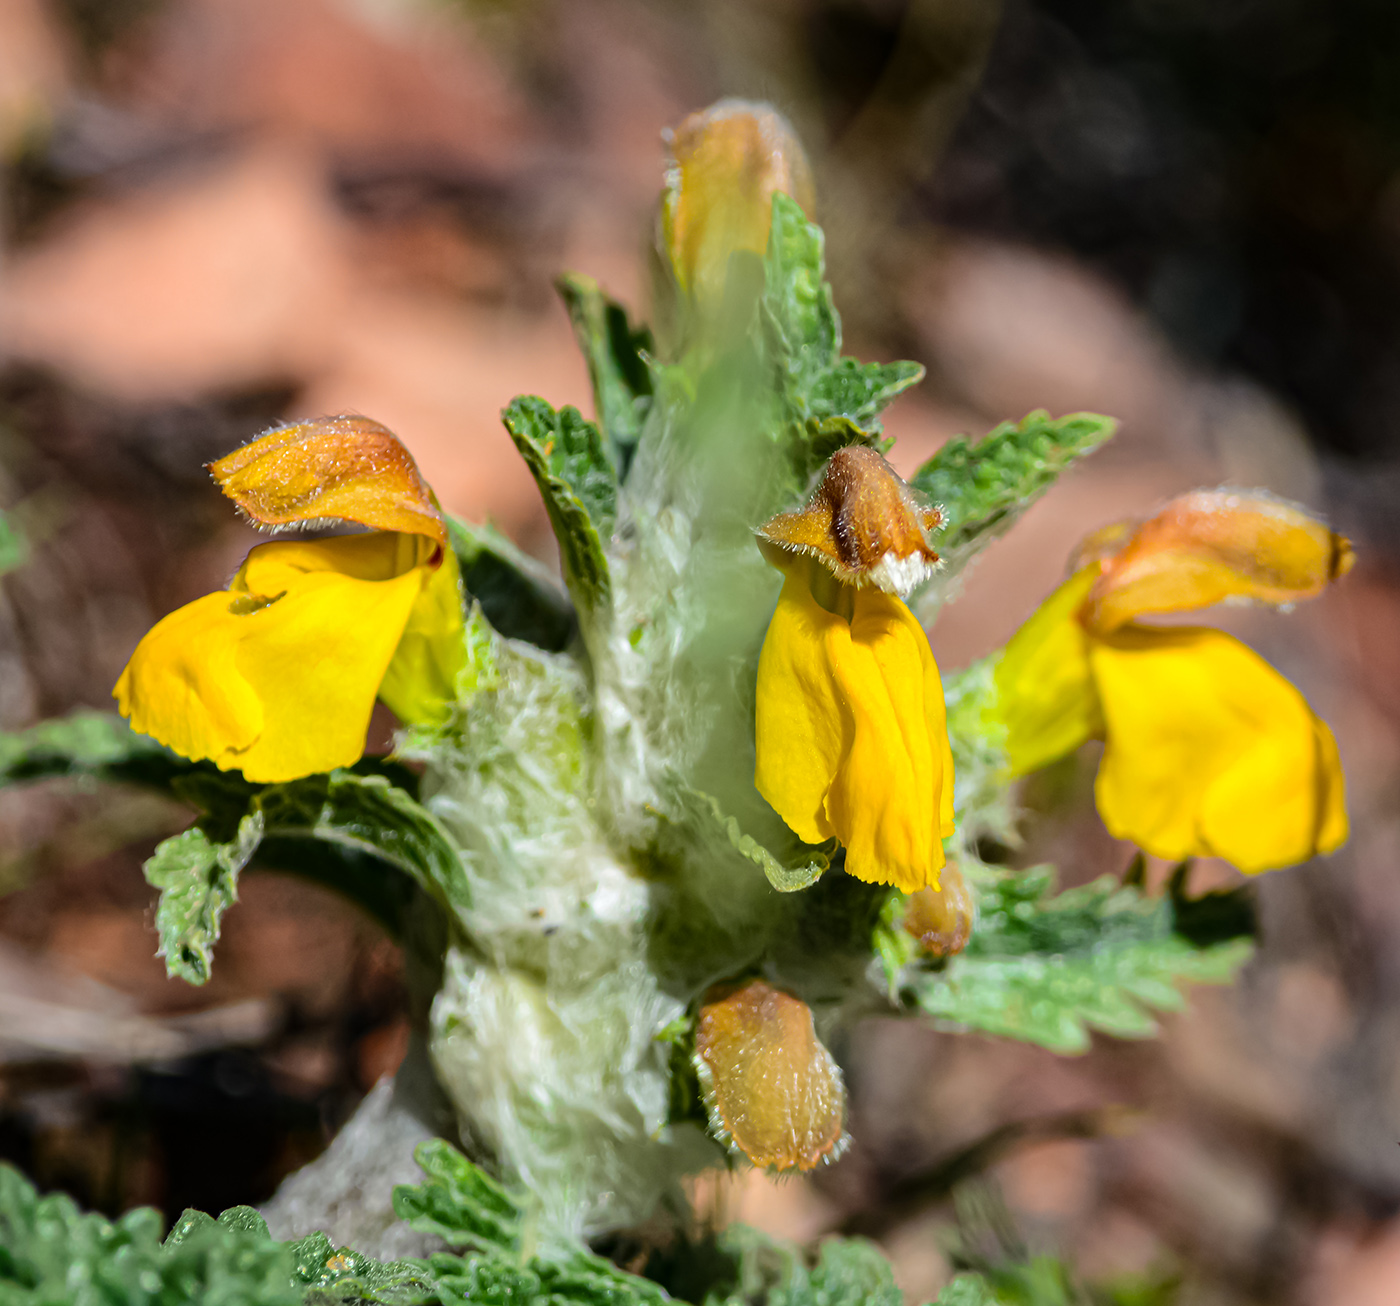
(1208, 751)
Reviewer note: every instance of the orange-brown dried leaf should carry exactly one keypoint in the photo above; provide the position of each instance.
(941, 919)
(863, 523)
(1212, 545)
(340, 468)
(770, 1083)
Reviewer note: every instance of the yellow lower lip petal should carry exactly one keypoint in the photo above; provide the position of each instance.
(1045, 688)
(286, 688)
(1211, 752)
(851, 735)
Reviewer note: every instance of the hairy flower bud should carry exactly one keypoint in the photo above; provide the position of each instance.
(770, 1084)
(941, 919)
(726, 164)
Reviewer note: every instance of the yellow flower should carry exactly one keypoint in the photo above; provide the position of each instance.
(1208, 751)
(850, 729)
(277, 675)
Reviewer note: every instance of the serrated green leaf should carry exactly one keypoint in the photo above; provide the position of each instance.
(783, 877)
(578, 483)
(1047, 969)
(458, 1201)
(983, 486)
(797, 305)
(753, 1268)
(827, 402)
(198, 882)
(367, 814)
(518, 596)
(860, 391)
(345, 829)
(52, 1254)
(615, 353)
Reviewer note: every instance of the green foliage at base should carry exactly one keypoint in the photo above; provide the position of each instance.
(51, 1254)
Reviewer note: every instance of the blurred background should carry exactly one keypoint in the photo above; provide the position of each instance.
(221, 213)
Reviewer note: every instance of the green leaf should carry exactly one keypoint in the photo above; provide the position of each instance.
(459, 1202)
(1047, 969)
(465, 1207)
(14, 547)
(517, 594)
(198, 882)
(827, 401)
(750, 1268)
(578, 483)
(52, 1254)
(350, 831)
(797, 301)
(860, 391)
(615, 352)
(983, 486)
(783, 877)
(87, 745)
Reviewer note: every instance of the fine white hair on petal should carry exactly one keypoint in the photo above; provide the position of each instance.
(896, 575)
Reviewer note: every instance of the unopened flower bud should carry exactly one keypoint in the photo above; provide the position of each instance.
(941, 919)
(863, 524)
(726, 164)
(771, 1087)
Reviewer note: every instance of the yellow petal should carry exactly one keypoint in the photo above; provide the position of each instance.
(1212, 545)
(277, 677)
(341, 468)
(799, 731)
(1045, 689)
(851, 734)
(1210, 752)
(421, 683)
(768, 1079)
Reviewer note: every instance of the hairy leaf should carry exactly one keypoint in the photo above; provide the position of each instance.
(51, 1254)
(350, 831)
(578, 483)
(983, 486)
(198, 882)
(757, 1269)
(827, 401)
(860, 391)
(797, 304)
(615, 353)
(517, 594)
(1047, 969)
(458, 1202)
